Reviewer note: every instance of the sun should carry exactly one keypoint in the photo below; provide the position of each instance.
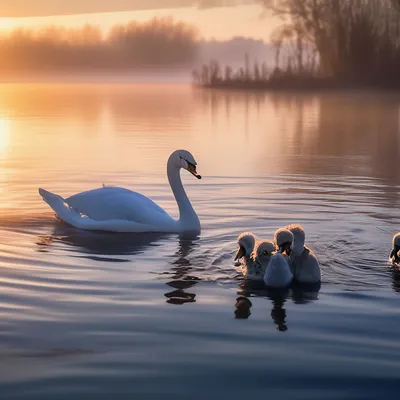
(6, 24)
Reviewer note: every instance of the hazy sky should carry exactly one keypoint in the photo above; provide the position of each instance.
(29, 8)
(221, 19)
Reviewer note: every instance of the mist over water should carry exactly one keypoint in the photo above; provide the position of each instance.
(167, 316)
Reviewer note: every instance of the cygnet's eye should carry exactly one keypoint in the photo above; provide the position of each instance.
(265, 252)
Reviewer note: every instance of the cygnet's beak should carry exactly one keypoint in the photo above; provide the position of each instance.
(240, 253)
(192, 169)
(395, 253)
(286, 247)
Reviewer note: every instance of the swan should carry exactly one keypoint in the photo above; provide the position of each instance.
(262, 256)
(302, 260)
(244, 255)
(117, 209)
(278, 274)
(395, 254)
(274, 266)
(283, 240)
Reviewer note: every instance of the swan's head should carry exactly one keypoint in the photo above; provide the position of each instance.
(263, 252)
(283, 239)
(299, 237)
(396, 248)
(184, 159)
(246, 242)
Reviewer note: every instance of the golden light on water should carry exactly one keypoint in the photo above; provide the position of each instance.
(5, 134)
(5, 137)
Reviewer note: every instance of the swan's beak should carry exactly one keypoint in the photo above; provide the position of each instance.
(192, 169)
(240, 253)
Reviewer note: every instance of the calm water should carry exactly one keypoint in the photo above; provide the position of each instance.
(157, 316)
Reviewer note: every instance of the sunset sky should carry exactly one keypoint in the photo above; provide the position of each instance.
(211, 16)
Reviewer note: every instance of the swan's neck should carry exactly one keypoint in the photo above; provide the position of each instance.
(188, 218)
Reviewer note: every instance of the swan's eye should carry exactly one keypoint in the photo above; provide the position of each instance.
(265, 252)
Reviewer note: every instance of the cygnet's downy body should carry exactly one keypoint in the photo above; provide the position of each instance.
(395, 254)
(277, 271)
(303, 262)
(250, 269)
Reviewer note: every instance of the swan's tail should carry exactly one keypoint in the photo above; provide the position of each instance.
(62, 209)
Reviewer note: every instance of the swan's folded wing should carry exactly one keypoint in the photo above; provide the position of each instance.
(105, 204)
(81, 221)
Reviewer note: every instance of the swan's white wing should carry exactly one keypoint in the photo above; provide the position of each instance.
(110, 209)
(108, 203)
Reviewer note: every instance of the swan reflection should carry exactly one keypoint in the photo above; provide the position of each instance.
(93, 244)
(299, 293)
(278, 312)
(395, 271)
(303, 293)
(182, 277)
(242, 308)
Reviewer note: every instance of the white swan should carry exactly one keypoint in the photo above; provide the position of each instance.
(395, 254)
(250, 269)
(303, 262)
(121, 210)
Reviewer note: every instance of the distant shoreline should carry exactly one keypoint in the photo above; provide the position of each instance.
(321, 86)
(183, 80)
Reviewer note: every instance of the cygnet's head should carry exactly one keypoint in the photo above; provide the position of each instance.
(396, 247)
(246, 242)
(283, 239)
(299, 237)
(263, 251)
(184, 159)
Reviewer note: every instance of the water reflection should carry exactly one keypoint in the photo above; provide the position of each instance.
(182, 272)
(303, 293)
(299, 293)
(315, 134)
(91, 244)
(242, 308)
(395, 271)
(278, 312)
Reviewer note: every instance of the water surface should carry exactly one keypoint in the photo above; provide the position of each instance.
(163, 316)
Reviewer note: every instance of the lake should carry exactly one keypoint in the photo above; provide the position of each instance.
(96, 315)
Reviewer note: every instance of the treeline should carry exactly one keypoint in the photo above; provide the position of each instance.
(323, 44)
(259, 76)
(353, 40)
(161, 42)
